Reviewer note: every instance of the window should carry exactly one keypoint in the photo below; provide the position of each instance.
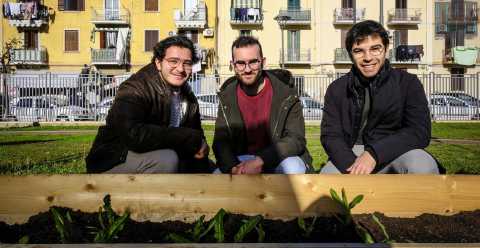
(71, 41)
(441, 17)
(151, 5)
(30, 40)
(192, 35)
(25, 103)
(456, 103)
(293, 45)
(245, 32)
(471, 17)
(71, 5)
(151, 39)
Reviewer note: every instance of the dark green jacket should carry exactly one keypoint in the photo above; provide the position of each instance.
(287, 126)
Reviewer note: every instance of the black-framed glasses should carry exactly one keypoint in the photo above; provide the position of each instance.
(374, 51)
(241, 65)
(175, 62)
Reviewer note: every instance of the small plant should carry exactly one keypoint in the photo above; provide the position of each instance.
(63, 224)
(387, 239)
(24, 240)
(248, 225)
(346, 217)
(110, 224)
(199, 230)
(307, 229)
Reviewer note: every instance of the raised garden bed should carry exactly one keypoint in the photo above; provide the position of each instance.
(437, 202)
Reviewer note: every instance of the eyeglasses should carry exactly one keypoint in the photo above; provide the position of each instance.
(241, 65)
(174, 63)
(374, 51)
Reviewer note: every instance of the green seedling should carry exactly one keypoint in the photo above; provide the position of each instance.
(199, 230)
(24, 240)
(307, 229)
(387, 239)
(248, 226)
(110, 224)
(63, 224)
(346, 217)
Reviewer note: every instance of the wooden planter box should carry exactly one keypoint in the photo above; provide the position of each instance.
(186, 197)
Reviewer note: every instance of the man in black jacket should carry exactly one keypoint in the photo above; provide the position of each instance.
(260, 126)
(376, 118)
(154, 125)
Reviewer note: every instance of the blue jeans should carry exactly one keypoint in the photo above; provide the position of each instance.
(290, 165)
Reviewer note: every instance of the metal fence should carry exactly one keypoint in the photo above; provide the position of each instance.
(73, 97)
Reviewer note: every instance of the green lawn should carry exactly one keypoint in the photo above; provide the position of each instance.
(24, 153)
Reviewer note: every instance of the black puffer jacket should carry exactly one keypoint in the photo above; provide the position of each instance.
(287, 125)
(139, 120)
(399, 119)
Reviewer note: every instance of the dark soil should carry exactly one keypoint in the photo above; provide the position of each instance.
(427, 228)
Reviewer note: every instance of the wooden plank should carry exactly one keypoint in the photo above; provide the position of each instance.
(249, 245)
(185, 197)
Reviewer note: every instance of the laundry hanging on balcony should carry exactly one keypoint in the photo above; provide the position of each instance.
(121, 43)
(465, 55)
(21, 11)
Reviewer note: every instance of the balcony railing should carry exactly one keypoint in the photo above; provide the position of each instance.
(296, 56)
(246, 16)
(195, 18)
(28, 56)
(348, 15)
(111, 16)
(296, 16)
(404, 16)
(341, 56)
(28, 19)
(107, 56)
(406, 54)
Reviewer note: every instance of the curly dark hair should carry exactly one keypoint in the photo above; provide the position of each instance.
(362, 30)
(179, 41)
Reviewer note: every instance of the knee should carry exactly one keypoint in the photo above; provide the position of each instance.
(329, 168)
(166, 161)
(418, 161)
(291, 165)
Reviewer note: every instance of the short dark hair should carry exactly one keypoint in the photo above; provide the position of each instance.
(244, 41)
(362, 30)
(179, 41)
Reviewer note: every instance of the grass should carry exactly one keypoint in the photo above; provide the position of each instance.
(23, 153)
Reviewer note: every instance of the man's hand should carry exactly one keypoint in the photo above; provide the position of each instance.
(253, 166)
(364, 164)
(203, 152)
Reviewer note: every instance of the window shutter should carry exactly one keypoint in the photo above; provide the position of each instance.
(151, 39)
(71, 40)
(61, 5)
(151, 5)
(81, 5)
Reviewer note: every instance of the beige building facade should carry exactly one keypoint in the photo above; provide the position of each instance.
(314, 32)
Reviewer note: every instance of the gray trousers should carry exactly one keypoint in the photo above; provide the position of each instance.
(415, 161)
(158, 161)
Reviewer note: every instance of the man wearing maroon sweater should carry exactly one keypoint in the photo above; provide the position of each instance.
(260, 126)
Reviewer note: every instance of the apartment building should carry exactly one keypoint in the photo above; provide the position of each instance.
(113, 36)
(311, 33)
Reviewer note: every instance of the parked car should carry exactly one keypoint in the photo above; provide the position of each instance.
(312, 109)
(103, 107)
(208, 105)
(473, 101)
(446, 107)
(46, 108)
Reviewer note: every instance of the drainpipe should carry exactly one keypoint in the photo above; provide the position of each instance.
(381, 12)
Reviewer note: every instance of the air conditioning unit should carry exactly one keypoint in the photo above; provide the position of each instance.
(172, 33)
(208, 32)
(442, 28)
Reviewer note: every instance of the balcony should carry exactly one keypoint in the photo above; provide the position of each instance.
(27, 19)
(406, 54)
(341, 56)
(296, 57)
(404, 16)
(246, 16)
(348, 15)
(297, 16)
(107, 56)
(28, 56)
(195, 18)
(111, 16)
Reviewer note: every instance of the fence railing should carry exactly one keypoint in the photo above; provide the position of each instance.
(404, 16)
(296, 16)
(28, 56)
(111, 16)
(73, 97)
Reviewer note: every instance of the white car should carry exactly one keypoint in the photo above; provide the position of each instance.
(46, 108)
(312, 109)
(208, 105)
(446, 107)
(103, 107)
